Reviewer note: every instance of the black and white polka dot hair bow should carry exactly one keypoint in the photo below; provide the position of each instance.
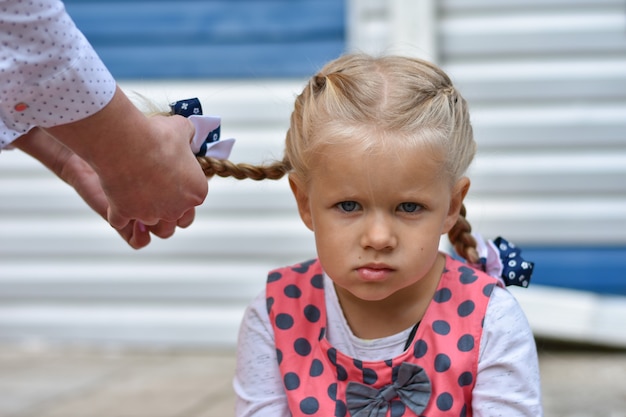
(206, 141)
(503, 260)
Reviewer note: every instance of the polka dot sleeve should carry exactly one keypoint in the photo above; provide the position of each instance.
(49, 73)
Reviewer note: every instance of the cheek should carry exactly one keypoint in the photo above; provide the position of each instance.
(328, 240)
(423, 242)
(332, 246)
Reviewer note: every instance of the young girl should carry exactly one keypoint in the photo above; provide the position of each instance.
(381, 323)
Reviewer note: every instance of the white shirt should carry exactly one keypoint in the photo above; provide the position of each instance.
(507, 383)
(49, 73)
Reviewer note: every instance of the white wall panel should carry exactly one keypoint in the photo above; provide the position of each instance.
(546, 82)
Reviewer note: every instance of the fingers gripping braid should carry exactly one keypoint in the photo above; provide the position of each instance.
(461, 238)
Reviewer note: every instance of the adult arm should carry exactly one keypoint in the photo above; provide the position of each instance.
(51, 78)
(77, 173)
(508, 380)
(145, 165)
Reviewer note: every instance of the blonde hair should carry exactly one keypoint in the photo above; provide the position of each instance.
(358, 96)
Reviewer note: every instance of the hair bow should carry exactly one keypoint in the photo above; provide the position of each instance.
(206, 140)
(503, 260)
(411, 385)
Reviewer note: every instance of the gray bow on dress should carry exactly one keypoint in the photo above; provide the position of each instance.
(411, 386)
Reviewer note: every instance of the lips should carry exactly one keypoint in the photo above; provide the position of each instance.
(375, 272)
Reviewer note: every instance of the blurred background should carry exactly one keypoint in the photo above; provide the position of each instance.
(546, 83)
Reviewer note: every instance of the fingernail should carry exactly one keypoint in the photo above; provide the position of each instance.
(142, 227)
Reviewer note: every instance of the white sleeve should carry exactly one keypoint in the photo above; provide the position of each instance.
(258, 384)
(49, 73)
(508, 382)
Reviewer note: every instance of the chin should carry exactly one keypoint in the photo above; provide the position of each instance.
(372, 295)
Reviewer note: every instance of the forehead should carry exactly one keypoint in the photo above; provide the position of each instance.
(382, 163)
(371, 143)
(373, 135)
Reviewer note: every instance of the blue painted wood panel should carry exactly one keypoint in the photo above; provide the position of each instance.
(599, 269)
(208, 39)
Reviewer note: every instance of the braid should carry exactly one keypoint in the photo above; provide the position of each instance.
(461, 238)
(225, 168)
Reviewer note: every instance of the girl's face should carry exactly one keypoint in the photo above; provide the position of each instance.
(378, 218)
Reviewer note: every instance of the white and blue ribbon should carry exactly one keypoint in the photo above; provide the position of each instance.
(503, 260)
(206, 141)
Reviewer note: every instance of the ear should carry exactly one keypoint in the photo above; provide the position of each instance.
(302, 199)
(459, 191)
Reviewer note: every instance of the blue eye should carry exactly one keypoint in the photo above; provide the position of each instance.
(409, 207)
(348, 206)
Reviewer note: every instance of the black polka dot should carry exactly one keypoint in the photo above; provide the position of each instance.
(341, 410)
(284, 321)
(444, 401)
(317, 368)
(274, 276)
(463, 411)
(304, 266)
(292, 291)
(468, 275)
(442, 362)
(269, 302)
(332, 391)
(312, 313)
(279, 356)
(488, 289)
(466, 379)
(318, 281)
(441, 327)
(369, 376)
(466, 343)
(442, 295)
(420, 348)
(332, 355)
(342, 374)
(466, 308)
(302, 346)
(394, 372)
(309, 406)
(291, 381)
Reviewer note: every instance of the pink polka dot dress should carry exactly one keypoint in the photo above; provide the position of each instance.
(433, 377)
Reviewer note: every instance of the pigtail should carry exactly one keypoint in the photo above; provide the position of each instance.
(461, 238)
(226, 168)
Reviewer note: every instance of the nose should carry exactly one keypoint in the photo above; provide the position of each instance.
(378, 233)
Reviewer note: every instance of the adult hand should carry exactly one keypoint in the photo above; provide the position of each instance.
(85, 181)
(145, 166)
(77, 173)
(162, 184)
